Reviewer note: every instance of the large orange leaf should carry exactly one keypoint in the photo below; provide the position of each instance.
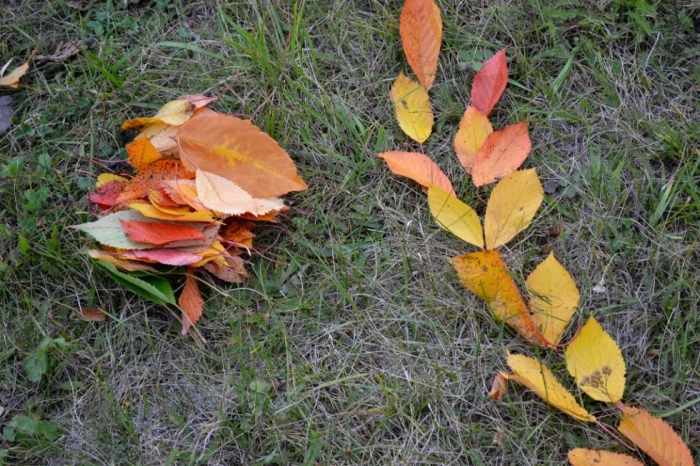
(485, 275)
(412, 106)
(418, 167)
(152, 177)
(655, 437)
(501, 154)
(490, 82)
(191, 302)
(538, 378)
(238, 151)
(473, 131)
(420, 27)
(141, 152)
(583, 457)
(159, 233)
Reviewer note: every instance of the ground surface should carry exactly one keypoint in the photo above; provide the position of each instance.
(353, 341)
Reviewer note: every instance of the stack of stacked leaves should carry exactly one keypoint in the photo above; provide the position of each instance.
(204, 181)
(592, 358)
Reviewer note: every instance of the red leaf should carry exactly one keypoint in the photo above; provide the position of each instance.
(106, 195)
(191, 303)
(490, 82)
(159, 233)
(173, 257)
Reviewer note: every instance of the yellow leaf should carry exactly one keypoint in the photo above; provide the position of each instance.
(512, 206)
(105, 178)
(455, 216)
(151, 211)
(538, 378)
(413, 111)
(554, 298)
(473, 131)
(420, 27)
(222, 195)
(173, 113)
(142, 152)
(583, 457)
(655, 437)
(596, 363)
(485, 275)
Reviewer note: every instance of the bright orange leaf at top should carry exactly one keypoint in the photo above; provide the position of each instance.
(490, 82)
(421, 34)
(237, 150)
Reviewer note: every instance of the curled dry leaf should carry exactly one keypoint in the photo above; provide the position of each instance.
(420, 27)
(554, 298)
(485, 275)
(191, 302)
(11, 79)
(583, 457)
(654, 437)
(490, 82)
(499, 387)
(237, 150)
(596, 362)
(538, 378)
(413, 110)
(90, 315)
(455, 216)
(418, 167)
(474, 128)
(512, 206)
(59, 51)
(501, 154)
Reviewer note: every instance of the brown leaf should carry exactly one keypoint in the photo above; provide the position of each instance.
(90, 315)
(59, 51)
(81, 6)
(11, 80)
(499, 387)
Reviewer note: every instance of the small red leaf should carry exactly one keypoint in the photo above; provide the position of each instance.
(490, 82)
(106, 195)
(159, 233)
(191, 303)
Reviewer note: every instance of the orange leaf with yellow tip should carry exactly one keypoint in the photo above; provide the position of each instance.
(191, 302)
(490, 82)
(583, 457)
(538, 378)
(237, 150)
(485, 275)
(420, 26)
(142, 152)
(654, 437)
(418, 167)
(501, 154)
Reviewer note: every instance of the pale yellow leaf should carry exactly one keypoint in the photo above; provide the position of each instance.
(538, 378)
(473, 131)
(413, 110)
(455, 216)
(173, 113)
(554, 298)
(512, 206)
(596, 362)
(223, 195)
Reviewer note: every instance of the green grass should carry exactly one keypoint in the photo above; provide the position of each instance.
(353, 341)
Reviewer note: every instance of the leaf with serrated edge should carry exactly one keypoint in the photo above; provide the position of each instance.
(222, 195)
(490, 82)
(512, 206)
(418, 167)
(485, 275)
(501, 154)
(455, 216)
(191, 302)
(109, 232)
(655, 437)
(413, 110)
(554, 298)
(474, 128)
(420, 26)
(538, 378)
(583, 457)
(596, 362)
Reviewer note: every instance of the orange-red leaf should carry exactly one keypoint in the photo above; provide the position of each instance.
(159, 233)
(191, 303)
(420, 27)
(583, 457)
(485, 275)
(501, 154)
(173, 257)
(238, 231)
(490, 82)
(90, 315)
(238, 151)
(107, 194)
(152, 177)
(418, 167)
(655, 437)
(230, 269)
(142, 152)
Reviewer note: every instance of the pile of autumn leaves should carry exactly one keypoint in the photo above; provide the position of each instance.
(204, 180)
(593, 358)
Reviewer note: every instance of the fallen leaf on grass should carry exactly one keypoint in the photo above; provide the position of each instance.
(499, 387)
(420, 26)
(191, 302)
(583, 457)
(474, 128)
(108, 230)
(596, 362)
(5, 114)
(239, 232)
(412, 106)
(228, 269)
(654, 437)
(162, 137)
(59, 51)
(455, 216)
(11, 80)
(511, 207)
(107, 177)
(174, 257)
(198, 100)
(538, 378)
(554, 298)
(90, 315)
(485, 275)
(418, 167)
(501, 154)
(222, 195)
(490, 82)
(107, 194)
